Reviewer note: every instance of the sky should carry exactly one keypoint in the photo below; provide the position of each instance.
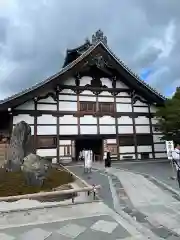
(34, 36)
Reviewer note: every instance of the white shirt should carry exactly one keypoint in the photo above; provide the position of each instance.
(176, 157)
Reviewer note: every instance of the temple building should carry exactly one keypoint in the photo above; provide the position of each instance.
(95, 102)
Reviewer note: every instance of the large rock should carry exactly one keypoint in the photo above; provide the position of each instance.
(20, 146)
(35, 169)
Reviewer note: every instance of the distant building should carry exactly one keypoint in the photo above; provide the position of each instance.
(94, 102)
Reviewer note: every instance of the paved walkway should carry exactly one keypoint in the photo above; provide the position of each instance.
(84, 221)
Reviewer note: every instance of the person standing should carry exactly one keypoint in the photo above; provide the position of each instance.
(176, 161)
(107, 159)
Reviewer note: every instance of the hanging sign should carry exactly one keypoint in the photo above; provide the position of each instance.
(169, 148)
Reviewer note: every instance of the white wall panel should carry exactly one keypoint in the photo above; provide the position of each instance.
(87, 98)
(139, 103)
(160, 155)
(67, 97)
(70, 81)
(105, 99)
(123, 100)
(64, 142)
(123, 94)
(125, 120)
(85, 80)
(46, 119)
(88, 129)
(107, 120)
(47, 130)
(153, 109)
(144, 148)
(48, 100)
(123, 107)
(142, 129)
(159, 147)
(49, 107)
(141, 109)
(126, 149)
(68, 130)
(107, 129)
(26, 106)
(23, 117)
(141, 120)
(120, 84)
(154, 120)
(68, 91)
(122, 157)
(111, 141)
(125, 129)
(107, 82)
(157, 138)
(47, 152)
(87, 92)
(88, 119)
(68, 119)
(105, 93)
(67, 106)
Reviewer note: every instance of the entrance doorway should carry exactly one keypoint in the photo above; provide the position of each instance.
(96, 145)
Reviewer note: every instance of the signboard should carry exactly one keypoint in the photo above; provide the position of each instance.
(169, 148)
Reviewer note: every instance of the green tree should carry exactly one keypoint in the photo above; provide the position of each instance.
(169, 118)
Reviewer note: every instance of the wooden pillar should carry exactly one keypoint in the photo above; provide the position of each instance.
(134, 127)
(78, 110)
(58, 126)
(116, 123)
(35, 125)
(151, 130)
(97, 109)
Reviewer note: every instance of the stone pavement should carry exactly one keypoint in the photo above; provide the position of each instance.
(83, 221)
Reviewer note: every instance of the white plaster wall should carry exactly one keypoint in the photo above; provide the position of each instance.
(64, 142)
(68, 130)
(107, 82)
(23, 117)
(68, 91)
(105, 93)
(47, 152)
(150, 155)
(139, 103)
(160, 155)
(46, 119)
(26, 106)
(105, 99)
(153, 109)
(120, 84)
(125, 120)
(88, 119)
(122, 156)
(159, 147)
(144, 148)
(157, 138)
(123, 100)
(141, 120)
(88, 129)
(123, 107)
(154, 120)
(47, 100)
(67, 106)
(62, 151)
(123, 94)
(125, 129)
(67, 97)
(126, 149)
(87, 92)
(70, 81)
(112, 141)
(47, 130)
(68, 119)
(142, 129)
(49, 107)
(87, 98)
(107, 120)
(141, 109)
(107, 129)
(85, 80)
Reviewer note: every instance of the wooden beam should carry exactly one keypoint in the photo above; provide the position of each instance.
(134, 128)
(151, 131)
(117, 132)
(58, 126)
(35, 125)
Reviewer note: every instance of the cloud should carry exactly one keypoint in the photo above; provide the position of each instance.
(34, 36)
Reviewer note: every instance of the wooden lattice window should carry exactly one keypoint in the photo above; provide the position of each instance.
(106, 107)
(88, 106)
